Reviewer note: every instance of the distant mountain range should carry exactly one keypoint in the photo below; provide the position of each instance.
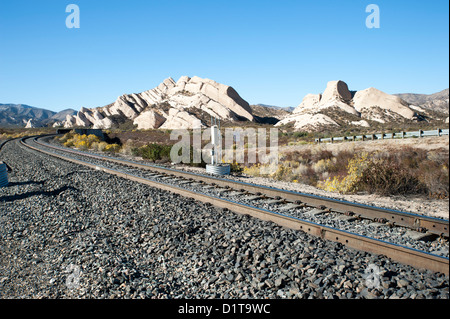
(19, 115)
(436, 102)
(284, 108)
(191, 102)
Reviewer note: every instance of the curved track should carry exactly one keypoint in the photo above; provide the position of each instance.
(162, 177)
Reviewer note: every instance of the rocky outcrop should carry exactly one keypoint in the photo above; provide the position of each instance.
(181, 120)
(170, 105)
(372, 97)
(30, 124)
(148, 120)
(338, 106)
(308, 121)
(336, 95)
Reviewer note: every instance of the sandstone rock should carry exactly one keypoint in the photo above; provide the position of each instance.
(30, 124)
(81, 119)
(310, 101)
(70, 121)
(123, 106)
(336, 90)
(372, 97)
(149, 120)
(308, 121)
(104, 123)
(178, 119)
(336, 95)
(362, 123)
(316, 110)
(208, 96)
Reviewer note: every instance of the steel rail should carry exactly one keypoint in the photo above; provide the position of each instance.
(401, 254)
(3, 143)
(422, 223)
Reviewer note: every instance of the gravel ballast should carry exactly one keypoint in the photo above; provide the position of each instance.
(70, 232)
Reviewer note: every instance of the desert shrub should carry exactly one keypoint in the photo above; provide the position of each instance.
(385, 177)
(153, 152)
(322, 165)
(376, 175)
(299, 134)
(127, 148)
(63, 139)
(435, 175)
(81, 144)
(236, 167)
(68, 143)
(350, 182)
(112, 148)
(300, 170)
(283, 173)
(88, 142)
(99, 146)
(401, 171)
(320, 154)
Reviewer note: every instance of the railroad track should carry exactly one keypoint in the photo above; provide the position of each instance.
(319, 216)
(2, 143)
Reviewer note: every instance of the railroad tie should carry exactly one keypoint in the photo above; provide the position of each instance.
(288, 207)
(420, 236)
(234, 193)
(345, 218)
(254, 197)
(315, 212)
(376, 224)
(274, 201)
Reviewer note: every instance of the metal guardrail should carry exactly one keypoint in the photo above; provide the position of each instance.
(383, 136)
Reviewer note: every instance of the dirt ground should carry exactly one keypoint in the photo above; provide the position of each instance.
(427, 143)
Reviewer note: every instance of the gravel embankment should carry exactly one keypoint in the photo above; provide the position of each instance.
(70, 232)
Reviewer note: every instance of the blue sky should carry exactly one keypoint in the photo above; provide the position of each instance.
(272, 52)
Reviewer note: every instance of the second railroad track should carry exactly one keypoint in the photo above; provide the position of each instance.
(345, 222)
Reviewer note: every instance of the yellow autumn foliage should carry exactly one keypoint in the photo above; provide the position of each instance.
(349, 183)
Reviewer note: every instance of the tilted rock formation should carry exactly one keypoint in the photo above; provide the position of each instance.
(372, 97)
(30, 124)
(337, 106)
(171, 105)
(336, 95)
(148, 120)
